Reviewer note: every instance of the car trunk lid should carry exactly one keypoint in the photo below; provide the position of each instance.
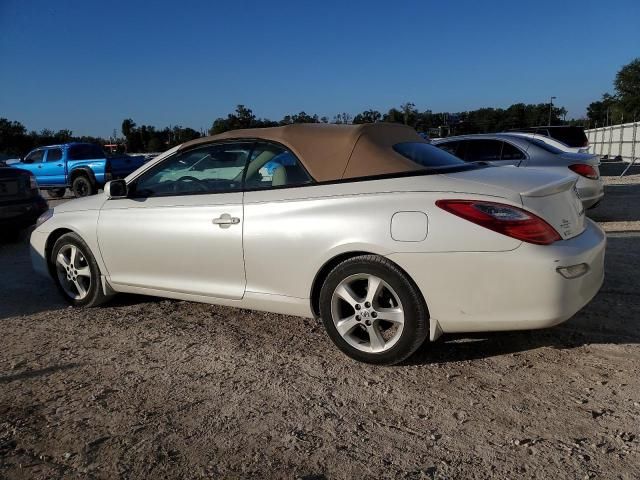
(559, 204)
(551, 196)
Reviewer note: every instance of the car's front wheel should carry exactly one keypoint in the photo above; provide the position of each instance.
(76, 272)
(373, 311)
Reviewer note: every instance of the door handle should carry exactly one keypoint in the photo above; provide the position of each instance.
(59, 165)
(225, 220)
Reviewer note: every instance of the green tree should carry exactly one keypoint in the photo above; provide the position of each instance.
(393, 116)
(627, 85)
(409, 113)
(13, 138)
(368, 116)
(128, 126)
(604, 111)
(342, 118)
(301, 117)
(243, 117)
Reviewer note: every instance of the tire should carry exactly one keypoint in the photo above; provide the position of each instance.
(68, 274)
(82, 186)
(56, 192)
(397, 312)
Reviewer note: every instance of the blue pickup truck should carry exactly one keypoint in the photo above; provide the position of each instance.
(82, 167)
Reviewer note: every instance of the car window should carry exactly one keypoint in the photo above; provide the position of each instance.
(571, 136)
(207, 169)
(450, 147)
(85, 152)
(545, 146)
(54, 154)
(34, 157)
(510, 152)
(274, 166)
(482, 150)
(427, 155)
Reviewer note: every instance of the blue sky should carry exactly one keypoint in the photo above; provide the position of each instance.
(86, 65)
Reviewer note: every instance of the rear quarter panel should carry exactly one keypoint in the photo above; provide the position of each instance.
(289, 234)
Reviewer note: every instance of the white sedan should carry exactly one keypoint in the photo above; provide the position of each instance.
(387, 238)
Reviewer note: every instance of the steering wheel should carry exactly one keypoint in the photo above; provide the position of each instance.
(201, 185)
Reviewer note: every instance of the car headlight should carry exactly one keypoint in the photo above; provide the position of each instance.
(44, 217)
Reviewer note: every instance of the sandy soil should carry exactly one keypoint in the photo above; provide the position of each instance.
(151, 388)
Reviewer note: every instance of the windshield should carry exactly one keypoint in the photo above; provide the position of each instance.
(572, 136)
(545, 146)
(430, 156)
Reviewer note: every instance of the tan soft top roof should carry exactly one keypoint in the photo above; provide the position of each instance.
(333, 152)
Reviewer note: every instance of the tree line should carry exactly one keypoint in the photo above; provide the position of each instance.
(622, 105)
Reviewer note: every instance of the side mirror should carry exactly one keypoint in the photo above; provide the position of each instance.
(116, 189)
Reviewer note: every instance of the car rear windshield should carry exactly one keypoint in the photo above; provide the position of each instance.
(85, 152)
(572, 136)
(545, 146)
(430, 156)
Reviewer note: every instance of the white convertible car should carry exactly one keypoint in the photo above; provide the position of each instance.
(388, 239)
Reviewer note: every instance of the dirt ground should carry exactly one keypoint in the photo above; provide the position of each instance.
(152, 388)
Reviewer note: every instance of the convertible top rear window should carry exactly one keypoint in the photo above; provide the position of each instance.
(429, 156)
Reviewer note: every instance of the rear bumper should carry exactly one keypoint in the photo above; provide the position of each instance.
(591, 191)
(16, 215)
(515, 290)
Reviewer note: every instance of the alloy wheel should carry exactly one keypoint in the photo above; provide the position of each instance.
(367, 313)
(73, 272)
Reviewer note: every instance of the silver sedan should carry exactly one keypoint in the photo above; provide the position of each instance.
(521, 151)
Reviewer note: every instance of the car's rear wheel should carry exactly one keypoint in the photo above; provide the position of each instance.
(76, 272)
(82, 186)
(373, 311)
(56, 192)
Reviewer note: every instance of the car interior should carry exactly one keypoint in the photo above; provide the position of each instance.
(218, 169)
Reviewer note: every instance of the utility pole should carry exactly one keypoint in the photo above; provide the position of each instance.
(550, 108)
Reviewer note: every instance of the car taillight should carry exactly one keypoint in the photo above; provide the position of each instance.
(33, 183)
(508, 220)
(584, 170)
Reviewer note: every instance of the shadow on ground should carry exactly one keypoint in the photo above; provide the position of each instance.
(621, 204)
(23, 375)
(622, 198)
(24, 292)
(615, 169)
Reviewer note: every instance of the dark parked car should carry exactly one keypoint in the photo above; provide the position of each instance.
(571, 136)
(20, 200)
